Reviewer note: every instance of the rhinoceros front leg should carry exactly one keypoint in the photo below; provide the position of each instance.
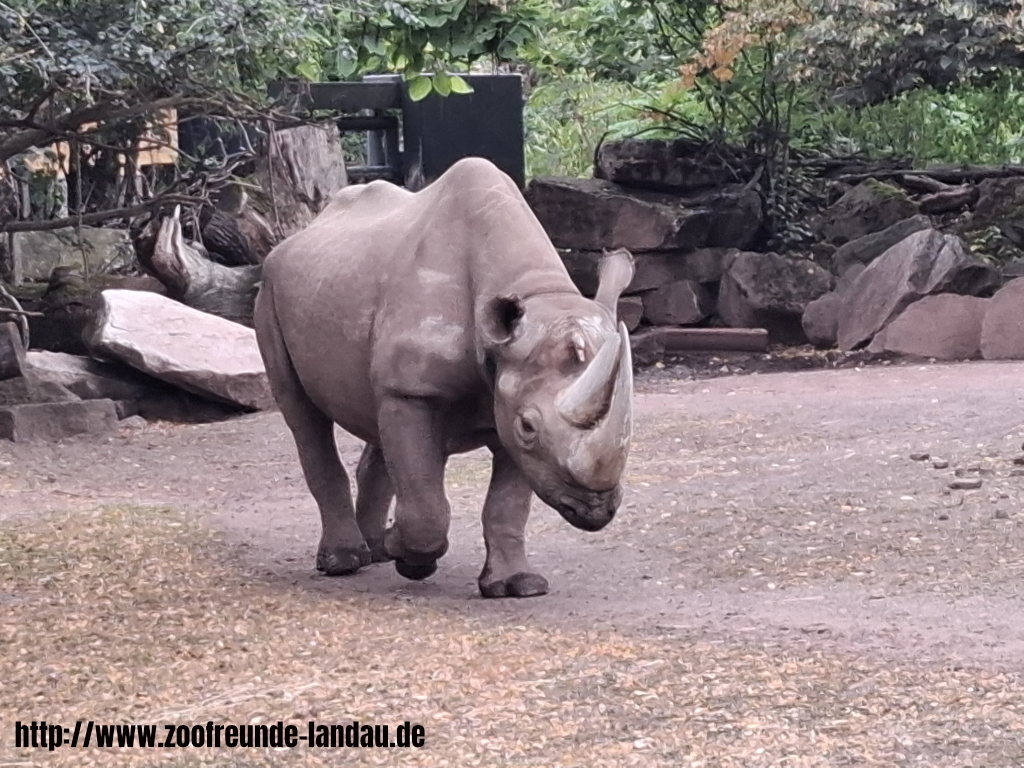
(412, 438)
(507, 572)
(373, 500)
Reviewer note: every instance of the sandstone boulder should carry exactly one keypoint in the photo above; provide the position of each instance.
(869, 207)
(12, 351)
(677, 165)
(652, 270)
(630, 311)
(866, 249)
(1002, 330)
(945, 327)
(820, 320)
(54, 421)
(765, 290)
(91, 379)
(36, 254)
(682, 302)
(196, 351)
(592, 214)
(927, 262)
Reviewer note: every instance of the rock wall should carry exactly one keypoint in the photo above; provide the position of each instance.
(891, 270)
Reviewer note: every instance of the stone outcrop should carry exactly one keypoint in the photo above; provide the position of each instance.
(871, 206)
(944, 327)
(675, 165)
(1002, 330)
(198, 352)
(681, 302)
(36, 254)
(592, 214)
(54, 421)
(765, 290)
(925, 263)
(866, 249)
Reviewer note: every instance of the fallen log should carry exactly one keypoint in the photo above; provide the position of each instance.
(12, 352)
(923, 184)
(191, 278)
(948, 174)
(950, 199)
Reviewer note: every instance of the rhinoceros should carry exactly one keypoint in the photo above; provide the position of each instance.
(438, 322)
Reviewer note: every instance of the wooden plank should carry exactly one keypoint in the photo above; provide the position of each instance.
(12, 353)
(347, 97)
(674, 340)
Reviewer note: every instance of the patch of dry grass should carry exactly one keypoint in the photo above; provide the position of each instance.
(131, 615)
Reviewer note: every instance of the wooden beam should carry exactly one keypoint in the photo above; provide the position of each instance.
(673, 340)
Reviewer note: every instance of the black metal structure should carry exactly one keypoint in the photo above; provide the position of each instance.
(414, 142)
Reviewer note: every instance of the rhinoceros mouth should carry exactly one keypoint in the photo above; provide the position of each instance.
(591, 514)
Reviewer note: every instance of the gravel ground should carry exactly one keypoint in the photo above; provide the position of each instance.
(785, 586)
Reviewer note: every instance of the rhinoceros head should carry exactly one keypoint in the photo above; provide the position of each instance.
(563, 393)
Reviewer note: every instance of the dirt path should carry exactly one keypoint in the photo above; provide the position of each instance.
(776, 509)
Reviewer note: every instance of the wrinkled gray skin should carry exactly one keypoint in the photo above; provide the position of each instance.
(435, 323)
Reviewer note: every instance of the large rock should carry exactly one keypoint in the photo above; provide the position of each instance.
(12, 351)
(866, 249)
(198, 352)
(53, 421)
(630, 311)
(26, 389)
(820, 319)
(652, 270)
(91, 379)
(765, 290)
(682, 302)
(676, 165)
(1000, 204)
(35, 254)
(944, 327)
(869, 207)
(592, 214)
(1002, 330)
(927, 262)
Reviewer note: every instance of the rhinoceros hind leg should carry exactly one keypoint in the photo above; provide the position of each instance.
(507, 572)
(373, 500)
(342, 549)
(412, 440)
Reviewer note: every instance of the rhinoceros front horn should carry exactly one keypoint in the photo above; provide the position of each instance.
(588, 400)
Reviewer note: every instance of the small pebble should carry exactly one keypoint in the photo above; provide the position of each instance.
(921, 456)
(1001, 514)
(940, 463)
(1018, 472)
(966, 484)
(1018, 460)
(943, 516)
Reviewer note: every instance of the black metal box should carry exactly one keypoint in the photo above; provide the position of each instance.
(438, 131)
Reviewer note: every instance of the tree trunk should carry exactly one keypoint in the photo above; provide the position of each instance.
(293, 182)
(12, 353)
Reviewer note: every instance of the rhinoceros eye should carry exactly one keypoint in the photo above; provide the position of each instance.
(526, 429)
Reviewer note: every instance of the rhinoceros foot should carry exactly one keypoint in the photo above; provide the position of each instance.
(342, 561)
(413, 571)
(516, 585)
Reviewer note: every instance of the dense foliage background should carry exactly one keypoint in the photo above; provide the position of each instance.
(935, 81)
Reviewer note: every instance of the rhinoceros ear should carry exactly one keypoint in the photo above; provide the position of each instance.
(614, 274)
(501, 315)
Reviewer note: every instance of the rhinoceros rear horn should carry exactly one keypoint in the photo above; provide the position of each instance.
(614, 274)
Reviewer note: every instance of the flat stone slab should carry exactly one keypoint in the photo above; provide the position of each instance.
(91, 379)
(54, 421)
(199, 352)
